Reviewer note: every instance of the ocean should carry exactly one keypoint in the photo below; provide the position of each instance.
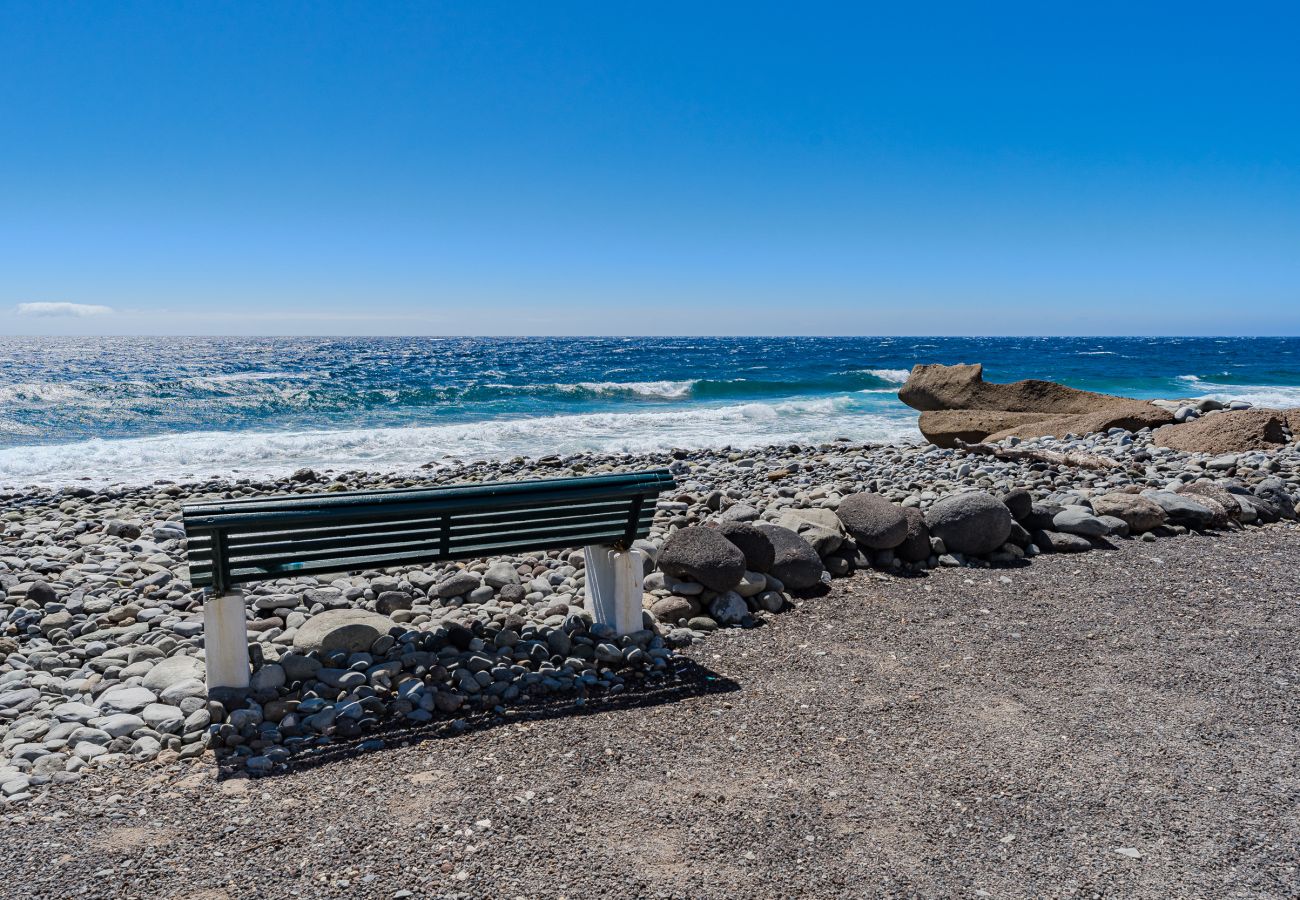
(132, 410)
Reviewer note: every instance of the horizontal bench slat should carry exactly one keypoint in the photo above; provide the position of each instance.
(370, 507)
(385, 561)
(239, 538)
(254, 539)
(432, 532)
(655, 481)
(466, 548)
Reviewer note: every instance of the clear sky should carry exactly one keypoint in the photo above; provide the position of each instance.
(649, 168)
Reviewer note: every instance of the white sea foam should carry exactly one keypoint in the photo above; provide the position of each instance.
(670, 390)
(43, 392)
(666, 390)
(197, 455)
(253, 376)
(897, 376)
(1269, 395)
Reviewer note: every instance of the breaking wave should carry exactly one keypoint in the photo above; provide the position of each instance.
(200, 455)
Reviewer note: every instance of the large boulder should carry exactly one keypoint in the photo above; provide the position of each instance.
(1273, 491)
(819, 527)
(753, 543)
(124, 698)
(956, 403)
(1061, 542)
(1229, 431)
(456, 584)
(973, 523)
(1020, 502)
(1080, 521)
(795, 563)
(1214, 492)
(350, 630)
(874, 522)
(915, 547)
(1141, 513)
(703, 555)
(1194, 512)
(728, 608)
(172, 670)
(963, 387)
(674, 609)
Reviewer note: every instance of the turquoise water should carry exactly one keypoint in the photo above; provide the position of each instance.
(138, 408)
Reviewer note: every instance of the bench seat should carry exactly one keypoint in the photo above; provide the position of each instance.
(236, 542)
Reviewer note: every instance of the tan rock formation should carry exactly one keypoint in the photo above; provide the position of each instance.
(957, 403)
(1235, 431)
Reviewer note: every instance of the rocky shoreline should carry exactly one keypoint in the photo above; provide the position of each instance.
(101, 634)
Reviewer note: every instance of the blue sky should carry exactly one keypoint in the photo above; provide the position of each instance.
(581, 168)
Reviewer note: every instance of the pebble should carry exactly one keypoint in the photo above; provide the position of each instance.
(101, 633)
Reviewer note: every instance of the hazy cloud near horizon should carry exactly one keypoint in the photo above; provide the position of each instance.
(76, 310)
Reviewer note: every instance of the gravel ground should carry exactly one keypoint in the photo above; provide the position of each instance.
(1109, 724)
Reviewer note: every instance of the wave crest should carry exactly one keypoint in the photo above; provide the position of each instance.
(198, 455)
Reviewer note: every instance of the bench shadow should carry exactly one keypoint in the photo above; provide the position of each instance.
(688, 679)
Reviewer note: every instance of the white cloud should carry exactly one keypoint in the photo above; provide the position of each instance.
(77, 310)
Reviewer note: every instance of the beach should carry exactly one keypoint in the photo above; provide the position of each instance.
(1117, 723)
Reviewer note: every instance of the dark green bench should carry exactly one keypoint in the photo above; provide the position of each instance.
(236, 542)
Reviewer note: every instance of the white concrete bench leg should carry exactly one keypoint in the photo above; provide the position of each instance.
(225, 641)
(614, 580)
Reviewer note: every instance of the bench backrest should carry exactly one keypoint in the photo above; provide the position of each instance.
(233, 542)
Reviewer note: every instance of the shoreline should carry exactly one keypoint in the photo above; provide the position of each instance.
(131, 411)
(101, 650)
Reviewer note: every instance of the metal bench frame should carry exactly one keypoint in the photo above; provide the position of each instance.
(236, 542)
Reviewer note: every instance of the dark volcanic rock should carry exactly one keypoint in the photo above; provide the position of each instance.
(1020, 502)
(756, 546)
(1040, 516)
(915, 547)
(703, 555)
(1058, 542)
(796, 563)
(1273, 492)
(1195, 512)
(40, 592)
(873, 521)
(974, 523)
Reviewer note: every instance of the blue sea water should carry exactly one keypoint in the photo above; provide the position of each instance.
(136, 409)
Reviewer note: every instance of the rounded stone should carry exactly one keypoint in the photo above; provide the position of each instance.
(974, 523)
(350, 630)
(758, 550)
(728, 609)
(915, 547)
(1020, 502)
(673, 609)
(703, 555)
(172, 670)
(125, 698)
(874, 522)
(1141, 513)
(795, 564)
(1209, 489)
(1079, 521)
